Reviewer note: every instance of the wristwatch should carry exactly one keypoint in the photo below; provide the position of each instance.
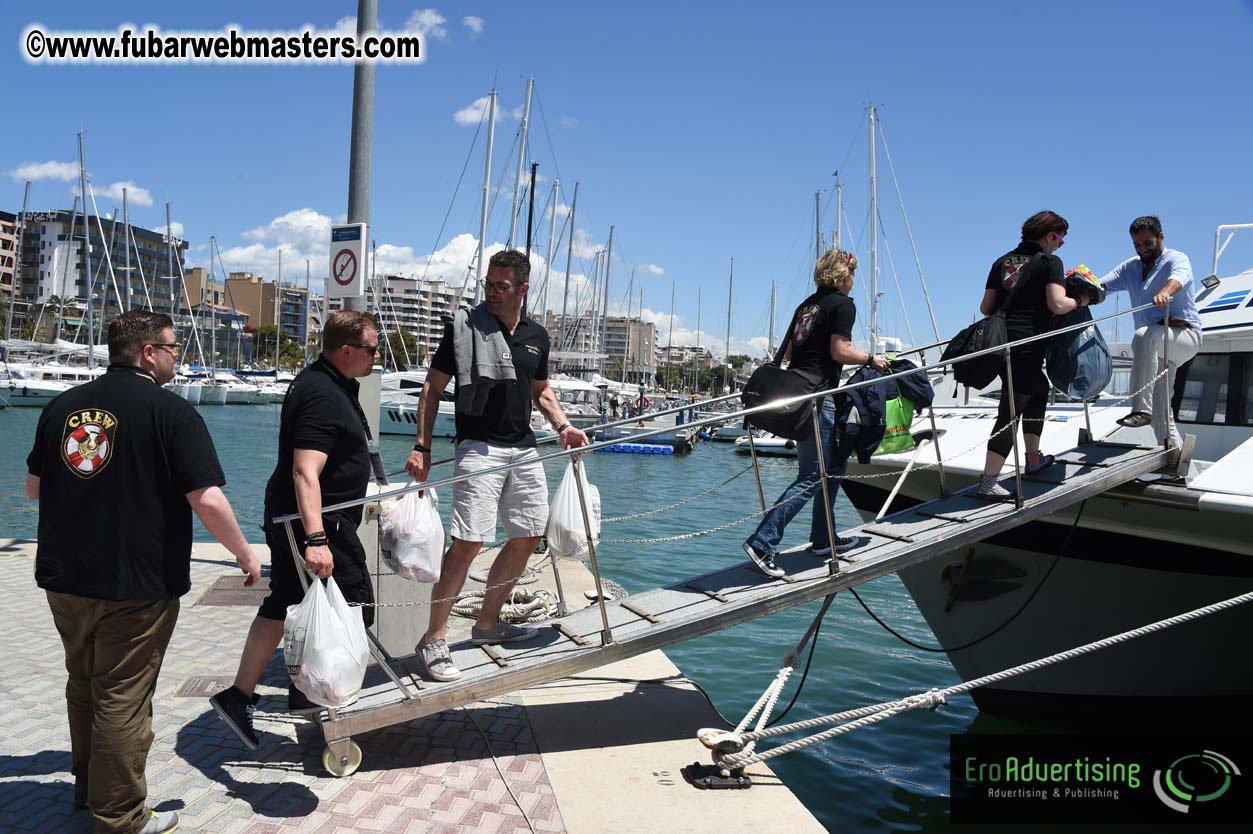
(418, 447)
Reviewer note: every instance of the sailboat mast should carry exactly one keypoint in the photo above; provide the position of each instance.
(874, 241)
(772, 303)
(727, 349)
(627, 353)
(278, 318)
(213, 317)
(17, 266)
(548, 259)
(838, 236)
(565, 301)
(82, 176)
(604, 308)
(487, 187)
(517, 179)
(126, 224)
(308, 302)
(817, 225)
(699, 353)
(169, 262)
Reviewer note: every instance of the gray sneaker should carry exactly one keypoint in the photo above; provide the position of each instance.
(991, 488)
(161, 822)
(502, 633)
(437, 661)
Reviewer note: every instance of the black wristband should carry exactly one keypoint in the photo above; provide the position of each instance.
(418, 447)
(316, 539)
(562, 427)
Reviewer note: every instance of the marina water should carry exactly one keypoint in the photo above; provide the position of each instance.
(892, 776)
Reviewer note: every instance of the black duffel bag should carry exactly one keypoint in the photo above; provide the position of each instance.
(986, 333)
(772, 382)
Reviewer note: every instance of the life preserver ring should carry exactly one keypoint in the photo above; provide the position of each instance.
(642, 401)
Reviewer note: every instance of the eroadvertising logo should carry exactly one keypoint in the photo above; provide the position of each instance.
(1194, 780)
(1097, 778)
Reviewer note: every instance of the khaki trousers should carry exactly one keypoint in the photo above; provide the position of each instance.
(113, 653)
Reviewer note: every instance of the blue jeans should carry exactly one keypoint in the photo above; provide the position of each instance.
(766, 538)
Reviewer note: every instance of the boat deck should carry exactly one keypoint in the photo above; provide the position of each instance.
(663, 616)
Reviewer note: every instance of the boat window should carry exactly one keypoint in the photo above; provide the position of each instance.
(1204, 395)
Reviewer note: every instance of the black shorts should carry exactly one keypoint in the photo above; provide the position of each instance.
(350, 571)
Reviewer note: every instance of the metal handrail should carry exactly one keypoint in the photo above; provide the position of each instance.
(817, 395)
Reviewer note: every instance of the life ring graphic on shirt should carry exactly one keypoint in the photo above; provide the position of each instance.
(1011, 268)
(87, 442)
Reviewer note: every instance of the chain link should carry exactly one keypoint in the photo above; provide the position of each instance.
(687, 500)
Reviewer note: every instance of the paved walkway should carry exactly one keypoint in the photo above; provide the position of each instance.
(459, 772)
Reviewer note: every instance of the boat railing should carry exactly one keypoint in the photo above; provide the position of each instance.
(575, 453)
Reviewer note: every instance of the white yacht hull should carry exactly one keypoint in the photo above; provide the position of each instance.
(402, 418)
(213, 395)
(30, 396)
(1134, 558)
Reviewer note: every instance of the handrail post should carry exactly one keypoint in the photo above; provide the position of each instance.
(606, 635)
(1166, 392)
(1087, 419)
(752, 451)
(1013, 428)
(826, 496)
(939, 460)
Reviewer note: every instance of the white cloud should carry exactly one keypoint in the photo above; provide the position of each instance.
(652, 269)
(474, 24)
(472, 114)
(427, 22)
(50, 170)
(175, 225)
(135, 195)
(302, 234)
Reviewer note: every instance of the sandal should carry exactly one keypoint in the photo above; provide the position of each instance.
(1136, 419)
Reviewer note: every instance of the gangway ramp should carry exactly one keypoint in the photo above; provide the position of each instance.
(661, 617)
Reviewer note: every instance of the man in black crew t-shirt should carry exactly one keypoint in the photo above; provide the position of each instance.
(118, 466)
(323, 459)
(493, 429)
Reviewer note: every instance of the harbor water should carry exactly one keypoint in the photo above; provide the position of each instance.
(891, 776)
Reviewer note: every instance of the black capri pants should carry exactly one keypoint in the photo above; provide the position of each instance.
(350, 571)
(1031, 394)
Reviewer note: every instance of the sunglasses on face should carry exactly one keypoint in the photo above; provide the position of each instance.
(497, 288)
(173, 347)
(371, 349)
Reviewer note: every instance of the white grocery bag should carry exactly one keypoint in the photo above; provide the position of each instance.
(566, 534)
(413, 536)
(325, 646)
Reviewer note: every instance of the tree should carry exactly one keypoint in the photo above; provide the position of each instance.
(402, 344)
(735, 360)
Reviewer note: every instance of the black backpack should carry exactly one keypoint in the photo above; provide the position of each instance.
(986, 333)
(772, 382)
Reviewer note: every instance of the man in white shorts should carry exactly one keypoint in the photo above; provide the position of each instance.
(493, 429)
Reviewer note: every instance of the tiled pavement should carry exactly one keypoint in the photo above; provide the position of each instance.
(432, 775)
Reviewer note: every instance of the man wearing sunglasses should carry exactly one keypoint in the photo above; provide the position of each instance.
(493, 429)
(118, 466)
(1164, 277)
(323, 459)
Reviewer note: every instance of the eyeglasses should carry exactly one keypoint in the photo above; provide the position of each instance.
(371, 349)
(173, 347)
(1060, 238)
(500, 288)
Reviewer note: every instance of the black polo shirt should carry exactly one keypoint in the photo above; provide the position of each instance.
(321, 412)
(115, 458)
(825, 313)
(506, 419)
(1028, 313)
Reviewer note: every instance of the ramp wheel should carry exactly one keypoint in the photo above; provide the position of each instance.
(340, 767)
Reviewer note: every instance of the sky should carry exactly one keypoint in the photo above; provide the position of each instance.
(700, 131)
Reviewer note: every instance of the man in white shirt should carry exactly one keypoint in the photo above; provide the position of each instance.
(1164, 277)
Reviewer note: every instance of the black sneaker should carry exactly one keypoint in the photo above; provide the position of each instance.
(236, 710)
(764, 562)
(299, 703)
(842, 544)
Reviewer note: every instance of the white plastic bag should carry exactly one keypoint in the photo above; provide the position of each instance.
(413, 536)
(566, 534)
(325, 646)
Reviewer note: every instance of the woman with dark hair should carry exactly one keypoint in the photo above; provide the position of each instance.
(1037, 281)
(820, 334)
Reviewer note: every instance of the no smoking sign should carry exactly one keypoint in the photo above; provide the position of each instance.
(348, 257)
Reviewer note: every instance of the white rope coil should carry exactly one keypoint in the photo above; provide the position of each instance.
(521, 606)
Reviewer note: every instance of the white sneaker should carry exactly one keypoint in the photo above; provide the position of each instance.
(764, 562)
(161, 822)
(437, 661)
